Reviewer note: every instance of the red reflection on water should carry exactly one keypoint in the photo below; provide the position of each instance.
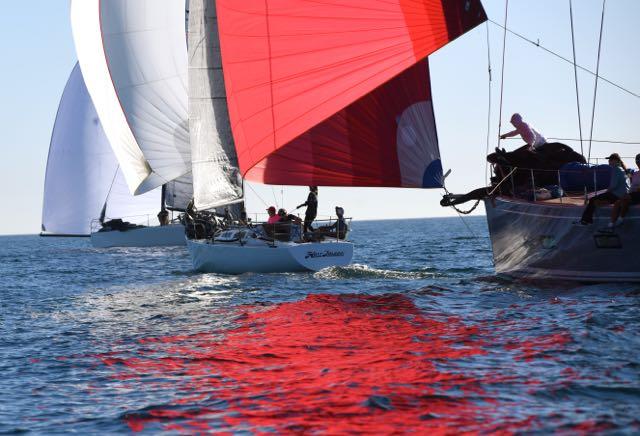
(539, 347)
(329, 364)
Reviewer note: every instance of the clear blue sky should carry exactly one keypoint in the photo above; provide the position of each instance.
(38, 55)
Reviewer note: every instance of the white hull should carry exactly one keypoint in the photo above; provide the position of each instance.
(538, 240)
(258, 256)
(156, 236)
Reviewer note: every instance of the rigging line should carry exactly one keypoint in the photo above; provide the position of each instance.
(273, 192)
(258, 195)
(537, 44)
(604, 141)
(599, 140)
(113, 180)
(461, 212)
(595, 89)
(504, 47)
(467, 226)
(575, 73)
(486, 166)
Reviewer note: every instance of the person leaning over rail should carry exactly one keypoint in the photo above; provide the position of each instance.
(618, 189)
(621, 207)
(529, 135)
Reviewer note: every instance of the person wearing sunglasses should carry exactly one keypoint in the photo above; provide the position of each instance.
(617, 190)
(621, 207)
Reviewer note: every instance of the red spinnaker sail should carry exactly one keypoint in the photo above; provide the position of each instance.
(336, 92)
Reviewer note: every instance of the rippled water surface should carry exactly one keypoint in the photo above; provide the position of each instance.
(417, 335)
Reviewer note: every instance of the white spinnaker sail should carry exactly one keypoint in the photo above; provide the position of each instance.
(216, 178)
(134, 59)
(81, 168)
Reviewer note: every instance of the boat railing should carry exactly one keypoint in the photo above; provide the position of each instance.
(562, 185)
(330, 228)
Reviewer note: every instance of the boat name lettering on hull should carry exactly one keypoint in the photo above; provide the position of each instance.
(316, 254)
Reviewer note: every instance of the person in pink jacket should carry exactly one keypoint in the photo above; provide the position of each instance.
(528, 133)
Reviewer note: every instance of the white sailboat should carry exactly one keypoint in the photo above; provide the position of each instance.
(216, 176)
(300, 93)
(133, 58)
(83, 179)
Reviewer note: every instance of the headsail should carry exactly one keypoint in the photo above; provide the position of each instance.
(134, 58)
(336, 92)
(179, 192)
(216, 178)
(82, 171)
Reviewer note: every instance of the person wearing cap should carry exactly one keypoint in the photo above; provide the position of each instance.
(529, 135)
(312, 208)
(287, 227)
(617, 190)
(338, 229)
(287, 217)
(622, 206)
(273, 217)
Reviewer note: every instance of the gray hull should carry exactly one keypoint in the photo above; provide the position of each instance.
(541, 240)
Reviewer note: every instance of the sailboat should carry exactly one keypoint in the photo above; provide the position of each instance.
(303, 93)
(534, 236)
(83, 179)
(134, 60)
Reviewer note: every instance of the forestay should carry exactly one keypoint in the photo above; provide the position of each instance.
(82, 171)
(216, 178)
(134, 59)
(335, 92)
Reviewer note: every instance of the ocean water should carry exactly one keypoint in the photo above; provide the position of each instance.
(418, 335)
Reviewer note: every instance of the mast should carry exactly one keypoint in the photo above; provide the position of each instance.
(163, 196)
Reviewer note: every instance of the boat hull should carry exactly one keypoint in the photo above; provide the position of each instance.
(234, 258)
(157, 236)
(537, 240)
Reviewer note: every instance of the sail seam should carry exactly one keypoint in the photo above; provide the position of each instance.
(273, 115)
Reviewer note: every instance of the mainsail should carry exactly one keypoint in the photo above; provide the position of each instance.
(134, 59)
(337, 92)
(82, 171)
(216, 178)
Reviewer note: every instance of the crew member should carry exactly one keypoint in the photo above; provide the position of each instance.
(273, 217)
(312, 208)
(622, 207)
(617, 190)
(529, 135)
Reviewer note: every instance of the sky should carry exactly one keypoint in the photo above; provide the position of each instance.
(38, 55)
